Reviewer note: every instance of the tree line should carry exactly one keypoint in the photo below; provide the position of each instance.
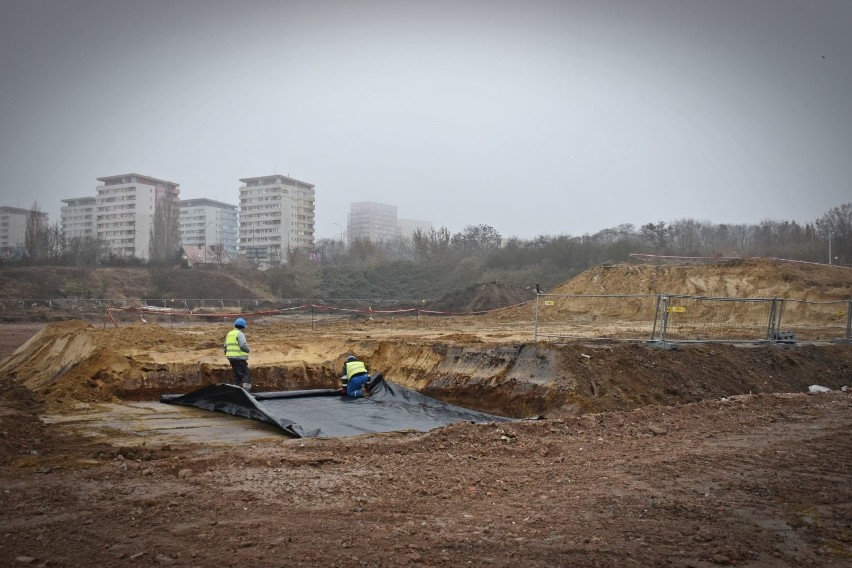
(433, 263)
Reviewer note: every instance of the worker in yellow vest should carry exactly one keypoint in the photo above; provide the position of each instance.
(355, 378)
(237, 352)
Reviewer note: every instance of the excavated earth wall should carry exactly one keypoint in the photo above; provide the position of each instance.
(72, 362)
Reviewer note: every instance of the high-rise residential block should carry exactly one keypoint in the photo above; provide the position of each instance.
(138, 215)
(373, 221)
(77, 218)
(13, 228)
(205, 223)
(276, 215)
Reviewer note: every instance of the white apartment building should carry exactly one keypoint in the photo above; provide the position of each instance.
(373, 221)
(276, 214)
(206, 222)
(77, 218)
(125, 206)
(13, 228)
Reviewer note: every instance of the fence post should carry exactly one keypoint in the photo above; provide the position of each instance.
(535, 331)
(849, 322)
(770, 331)
(656, 317)
(661, 314)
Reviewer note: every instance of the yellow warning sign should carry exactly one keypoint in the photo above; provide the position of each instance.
(549, 302)
(676, 309)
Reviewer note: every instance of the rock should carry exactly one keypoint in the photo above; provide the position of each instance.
(813, 389)
(24, 559)
(657, 430)
(184, 473)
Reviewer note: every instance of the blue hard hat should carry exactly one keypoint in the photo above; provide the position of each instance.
(240, 323)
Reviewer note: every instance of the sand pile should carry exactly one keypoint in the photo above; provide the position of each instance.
(736, 279)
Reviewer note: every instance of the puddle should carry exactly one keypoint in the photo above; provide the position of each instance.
(138, 423)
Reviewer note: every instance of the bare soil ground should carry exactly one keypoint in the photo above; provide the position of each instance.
(709, 455)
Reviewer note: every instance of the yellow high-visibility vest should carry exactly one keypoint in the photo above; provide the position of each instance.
(355, 368)
(232, 346)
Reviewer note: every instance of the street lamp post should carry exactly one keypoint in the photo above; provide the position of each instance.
(341, 233)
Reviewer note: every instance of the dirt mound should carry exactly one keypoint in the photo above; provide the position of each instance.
(64, 282)
(734, 279)
(481, 297)
(21, 430)
(132, 283)
(73, 361)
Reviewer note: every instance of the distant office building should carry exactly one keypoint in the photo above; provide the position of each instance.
(136, 213)
(373, 221)
(77, 218)
(13, 228)
(205, 222)
(276, 214)
(407, 227)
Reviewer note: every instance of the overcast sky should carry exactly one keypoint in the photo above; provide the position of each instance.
(560, 117)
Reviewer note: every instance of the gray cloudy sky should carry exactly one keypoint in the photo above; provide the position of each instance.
(560, 117)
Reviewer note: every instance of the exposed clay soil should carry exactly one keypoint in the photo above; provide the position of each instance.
(702, 456)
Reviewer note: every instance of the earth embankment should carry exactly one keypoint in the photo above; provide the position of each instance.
(70, 362)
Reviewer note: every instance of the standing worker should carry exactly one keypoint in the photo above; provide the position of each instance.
(356, 378)
(237, 351)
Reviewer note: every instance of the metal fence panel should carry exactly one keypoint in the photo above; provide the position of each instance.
(816, 321)
(697, 318)
(622, 317)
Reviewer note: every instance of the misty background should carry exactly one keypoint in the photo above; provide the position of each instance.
(533, 118)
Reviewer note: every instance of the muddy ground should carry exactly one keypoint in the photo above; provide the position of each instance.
(703, 456)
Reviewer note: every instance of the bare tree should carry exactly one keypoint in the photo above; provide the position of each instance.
(165, 235)
(476, 239)
(656, 236)
(307, 273)
(836, 226)
(55, 244)
(218, 253)
(84, 251)
(35, 233)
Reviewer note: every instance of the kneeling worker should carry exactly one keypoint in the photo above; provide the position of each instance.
(237, 351)
(355, 377)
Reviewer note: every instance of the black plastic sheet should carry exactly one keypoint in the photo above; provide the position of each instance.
(325, 413)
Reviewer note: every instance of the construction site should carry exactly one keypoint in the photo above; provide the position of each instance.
(686, 415)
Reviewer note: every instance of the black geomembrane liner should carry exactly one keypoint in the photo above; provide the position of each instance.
(325, 413)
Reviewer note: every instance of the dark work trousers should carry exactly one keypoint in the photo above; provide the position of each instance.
(241, 371)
